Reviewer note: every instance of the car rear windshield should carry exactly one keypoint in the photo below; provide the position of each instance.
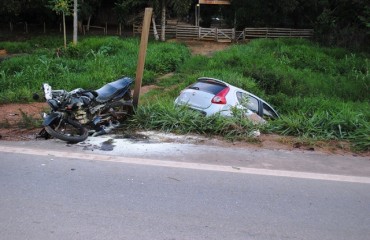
(208, 86)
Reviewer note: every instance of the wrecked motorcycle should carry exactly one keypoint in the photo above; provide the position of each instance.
(79, 113)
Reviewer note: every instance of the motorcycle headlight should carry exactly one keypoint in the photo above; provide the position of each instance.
(53, 104)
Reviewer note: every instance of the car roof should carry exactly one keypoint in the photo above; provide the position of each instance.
(214, 80)
(229, 85)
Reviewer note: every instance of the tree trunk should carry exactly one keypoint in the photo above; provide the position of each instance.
(155, 32)
(80, 23)
(163, 21)
(64, 31)
(80, 26)
(88, 23)
(75, 18)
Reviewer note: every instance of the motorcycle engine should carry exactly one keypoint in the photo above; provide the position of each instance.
(81, 116)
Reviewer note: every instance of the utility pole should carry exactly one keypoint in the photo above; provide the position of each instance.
(142, 55)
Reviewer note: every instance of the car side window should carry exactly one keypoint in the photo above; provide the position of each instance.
(248, 101)
(268, 112)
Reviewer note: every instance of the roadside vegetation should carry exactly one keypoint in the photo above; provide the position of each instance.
(90, 64)
(320, 93)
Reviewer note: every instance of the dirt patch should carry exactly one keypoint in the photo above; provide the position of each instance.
(12, 113)
(205, 48)
(3, 53)
(17, 120)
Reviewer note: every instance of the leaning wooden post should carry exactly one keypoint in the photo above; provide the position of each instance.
(142, 54)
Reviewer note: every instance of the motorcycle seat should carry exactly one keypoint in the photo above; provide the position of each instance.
(113, 90)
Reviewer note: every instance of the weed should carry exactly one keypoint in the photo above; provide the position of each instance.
(5, 124)
(28, 121)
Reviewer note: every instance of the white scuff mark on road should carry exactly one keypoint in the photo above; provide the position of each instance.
(188, 165)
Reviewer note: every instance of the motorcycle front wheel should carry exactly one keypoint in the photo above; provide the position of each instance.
(67, 130)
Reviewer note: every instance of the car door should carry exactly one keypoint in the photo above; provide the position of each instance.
(248, 101)
(268, 111)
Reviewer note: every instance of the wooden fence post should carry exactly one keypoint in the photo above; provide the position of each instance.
(142, 54)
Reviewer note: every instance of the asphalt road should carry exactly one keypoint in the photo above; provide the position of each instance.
(51, 196)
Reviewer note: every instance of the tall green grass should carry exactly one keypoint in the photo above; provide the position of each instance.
(321, 93)
(93, 62)
(299, 68)
(33, 44)
(163, 115)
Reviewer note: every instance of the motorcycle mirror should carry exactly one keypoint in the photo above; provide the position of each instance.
(36, 96)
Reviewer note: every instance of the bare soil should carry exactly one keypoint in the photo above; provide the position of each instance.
(12, 115)
(205, 48)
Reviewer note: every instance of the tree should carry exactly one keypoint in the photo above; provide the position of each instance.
(163, 20)
(23, 10)
(161, 7)
(179, 7)
(63, 7)
(11, 6)
(75, 20)
(88, 8)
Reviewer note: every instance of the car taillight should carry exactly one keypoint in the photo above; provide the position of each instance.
(220, 98)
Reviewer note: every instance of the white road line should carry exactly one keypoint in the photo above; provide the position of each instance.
(187, 165)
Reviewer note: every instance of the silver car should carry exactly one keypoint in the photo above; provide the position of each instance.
(210, 96)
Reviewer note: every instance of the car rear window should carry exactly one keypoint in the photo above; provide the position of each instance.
(208, 86)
